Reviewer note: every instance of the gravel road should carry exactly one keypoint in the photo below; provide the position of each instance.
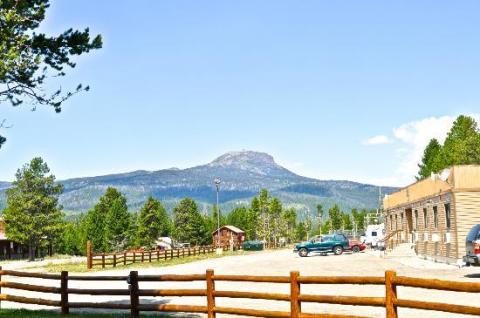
(281, 263)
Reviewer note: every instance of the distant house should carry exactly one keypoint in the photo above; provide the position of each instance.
(436, 213)
(8, 248)
(229, 236)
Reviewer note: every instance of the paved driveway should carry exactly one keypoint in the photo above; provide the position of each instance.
(281, 263)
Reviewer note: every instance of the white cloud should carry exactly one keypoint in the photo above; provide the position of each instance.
(378, 140)
(412, 138)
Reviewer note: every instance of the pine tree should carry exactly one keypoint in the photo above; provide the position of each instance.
(108, 223)
(117, 223)
(189, 225)
(153, 222)
(33, 216)
(431, 160)
(335, 217)
(462, 145)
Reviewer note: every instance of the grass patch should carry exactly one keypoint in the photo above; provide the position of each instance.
(81, 267)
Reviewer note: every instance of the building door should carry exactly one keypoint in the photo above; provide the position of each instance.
(409, 227)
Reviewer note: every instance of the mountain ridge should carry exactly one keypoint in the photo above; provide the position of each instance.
(243, 174)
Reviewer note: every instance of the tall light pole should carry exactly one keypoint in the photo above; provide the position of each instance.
(217, 185)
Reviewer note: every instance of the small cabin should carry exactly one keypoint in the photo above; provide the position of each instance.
(8, 248)
(229, 236)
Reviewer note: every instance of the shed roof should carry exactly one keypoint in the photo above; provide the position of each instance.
(231, 228)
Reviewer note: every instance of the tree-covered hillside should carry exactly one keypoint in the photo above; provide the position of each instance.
(243, 174)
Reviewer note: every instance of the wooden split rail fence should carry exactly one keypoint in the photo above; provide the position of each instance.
(126, 258)
(295, 297)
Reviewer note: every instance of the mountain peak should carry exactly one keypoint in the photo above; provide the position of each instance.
(244, 157)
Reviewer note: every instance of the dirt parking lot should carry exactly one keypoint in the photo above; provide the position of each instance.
(281, 263)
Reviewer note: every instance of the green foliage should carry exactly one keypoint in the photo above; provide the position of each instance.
(29, 58)
(300, 232)
(26, 56)
(462, 146)
(335, 216)
(153, 222)
(359, 218)
(107, 224)
(32, 216)
(189, 225)
(346, 222)
(430, 161)
(117, 221)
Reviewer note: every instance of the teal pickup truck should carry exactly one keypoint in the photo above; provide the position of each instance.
(332, 243)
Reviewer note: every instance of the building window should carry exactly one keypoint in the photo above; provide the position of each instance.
(448, 215)
(435, 217)
(416, 219)
(391, 222)
(401, 221)
(396, 222)
(425, 218)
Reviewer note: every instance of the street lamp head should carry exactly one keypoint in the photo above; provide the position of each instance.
(217, 181)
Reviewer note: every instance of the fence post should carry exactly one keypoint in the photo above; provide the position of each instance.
(158, 255)
(171, 253)
(295, 304)
(133, 281)
(64, 292)
(134, 256)
(390, 294)
(124, 258)
(103, 260)
(0, 286)
(143, 255)
(114, 260)
(89, 255)
(149, 256)
(210, 294)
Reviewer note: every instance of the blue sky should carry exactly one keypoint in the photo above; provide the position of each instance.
(333, 90)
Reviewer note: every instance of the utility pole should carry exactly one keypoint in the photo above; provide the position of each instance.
(217, 185)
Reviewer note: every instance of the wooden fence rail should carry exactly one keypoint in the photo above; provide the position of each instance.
(126, 258)
(295, 297)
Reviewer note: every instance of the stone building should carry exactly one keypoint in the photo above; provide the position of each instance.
(435, 214)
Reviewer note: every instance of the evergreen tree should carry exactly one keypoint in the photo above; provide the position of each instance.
(320, 216)
(335, 217)
(33, 216)
(108, 223)
(346, 222)
(189, 225)
(276, 221)
(301, 232)
(153, 222)
(28, 57)
(462, 145)
(431, 160)
(290, 218)
(117, 221)
(240, 218)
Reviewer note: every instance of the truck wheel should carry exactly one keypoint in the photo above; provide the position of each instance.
(303, 252)
(338, 250)
(355, 249)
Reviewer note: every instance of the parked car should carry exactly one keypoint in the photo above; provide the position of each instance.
(472, 247)
(333, 243)
(355, 246)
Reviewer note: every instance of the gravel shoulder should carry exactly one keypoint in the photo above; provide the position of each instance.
(281, 262)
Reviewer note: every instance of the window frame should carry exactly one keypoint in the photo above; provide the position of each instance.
(448, 215)
(435, 217)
